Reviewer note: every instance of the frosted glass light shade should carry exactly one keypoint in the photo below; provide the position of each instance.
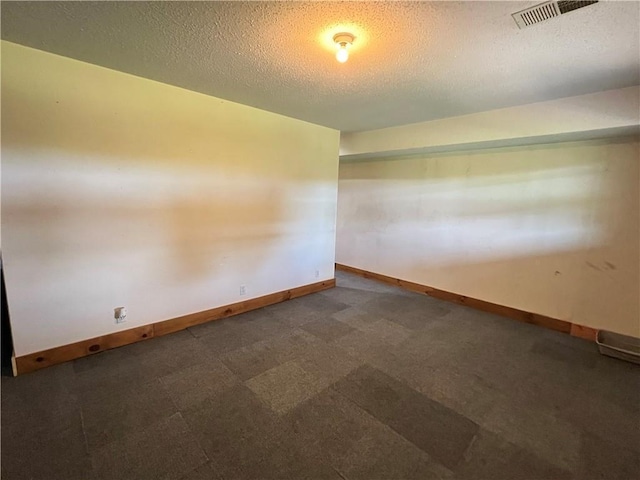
(342, 55)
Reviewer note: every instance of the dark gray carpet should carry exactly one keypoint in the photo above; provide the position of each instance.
(364, 381)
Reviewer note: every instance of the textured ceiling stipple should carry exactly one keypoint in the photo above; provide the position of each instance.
(410, 62)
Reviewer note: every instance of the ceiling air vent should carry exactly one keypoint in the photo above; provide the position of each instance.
(547, 10)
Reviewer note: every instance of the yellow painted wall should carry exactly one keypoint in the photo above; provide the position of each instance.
(550, 229)
(121, 191)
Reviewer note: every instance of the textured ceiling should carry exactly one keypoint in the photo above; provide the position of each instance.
(411, 61)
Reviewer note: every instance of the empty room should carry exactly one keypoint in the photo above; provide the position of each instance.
(320, 240)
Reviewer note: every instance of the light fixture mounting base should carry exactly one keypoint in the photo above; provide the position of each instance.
(343, 38)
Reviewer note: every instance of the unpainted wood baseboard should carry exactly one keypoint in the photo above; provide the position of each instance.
(64, 353)
(586, 333)
(564, 326)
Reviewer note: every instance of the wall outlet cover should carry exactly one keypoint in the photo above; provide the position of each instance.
(120, 314)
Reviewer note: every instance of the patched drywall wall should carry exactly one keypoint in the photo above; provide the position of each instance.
(121, 191)
(550, 229)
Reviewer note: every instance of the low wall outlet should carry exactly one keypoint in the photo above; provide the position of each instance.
(317, 273)
(243, 289)
(120, 314)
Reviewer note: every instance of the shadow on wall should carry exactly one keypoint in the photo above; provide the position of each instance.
(97, 180)
(140, 123)
(549, 229)
(437, 166)
(7, 340)
(121, 191)
(492, 202)
(189, 225)
(177, 177)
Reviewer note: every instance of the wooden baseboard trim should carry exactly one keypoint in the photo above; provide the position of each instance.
(563, 326)
(53, 356)
(586, 333)
(46, 358)
(186, 321)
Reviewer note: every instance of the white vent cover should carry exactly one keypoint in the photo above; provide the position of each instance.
(547, 10)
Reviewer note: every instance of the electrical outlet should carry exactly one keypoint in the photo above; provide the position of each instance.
(120, 314)
(317, 273)
(243, 289)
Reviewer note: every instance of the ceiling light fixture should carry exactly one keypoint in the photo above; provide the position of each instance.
(343, 41)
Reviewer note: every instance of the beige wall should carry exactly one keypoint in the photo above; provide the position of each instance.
(567, 119)
(120, 191)
(550, 229)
